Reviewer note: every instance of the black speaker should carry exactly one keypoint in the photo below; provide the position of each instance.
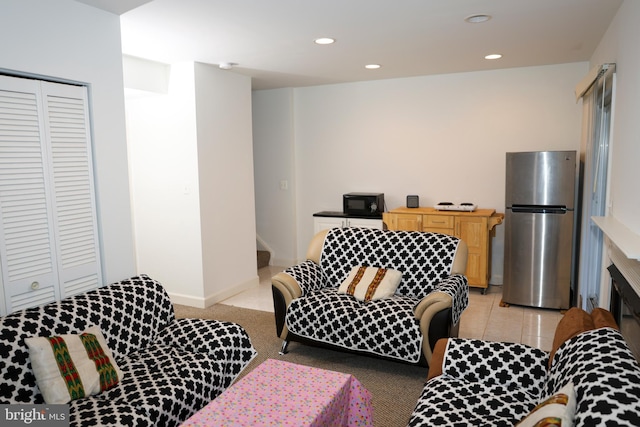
(413, 201)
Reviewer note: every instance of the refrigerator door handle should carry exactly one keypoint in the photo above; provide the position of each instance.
(538, 209)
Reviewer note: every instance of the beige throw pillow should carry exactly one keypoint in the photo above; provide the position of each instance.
(69, 367)
(370, 283)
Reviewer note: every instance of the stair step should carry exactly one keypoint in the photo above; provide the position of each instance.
(263, 258)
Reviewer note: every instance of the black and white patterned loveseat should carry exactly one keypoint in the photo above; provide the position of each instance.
(426, 306)
(172, 367)
(484, 383)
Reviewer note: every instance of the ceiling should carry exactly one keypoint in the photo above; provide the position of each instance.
(273, 41)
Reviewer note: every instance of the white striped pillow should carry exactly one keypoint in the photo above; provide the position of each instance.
(73, 366)
(370, 283)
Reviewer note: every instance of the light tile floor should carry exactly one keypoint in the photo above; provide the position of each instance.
(260, 297)
(483, 319)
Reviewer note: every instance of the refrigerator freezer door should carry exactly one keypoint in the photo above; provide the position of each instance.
(541, 178)
(537, 267)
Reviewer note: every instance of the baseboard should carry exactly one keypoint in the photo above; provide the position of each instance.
(229, 292)
(280, 262)
(189, 300)
(204, 302)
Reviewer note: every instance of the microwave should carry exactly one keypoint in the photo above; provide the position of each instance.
(363, 204)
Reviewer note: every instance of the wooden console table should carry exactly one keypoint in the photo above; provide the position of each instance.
(475, 228)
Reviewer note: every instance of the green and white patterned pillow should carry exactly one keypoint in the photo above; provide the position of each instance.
(69, 367)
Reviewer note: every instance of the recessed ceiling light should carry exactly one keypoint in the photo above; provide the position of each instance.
(227, 65)
(476, 19)
(324, 40)
(372, 66)
(493, 56)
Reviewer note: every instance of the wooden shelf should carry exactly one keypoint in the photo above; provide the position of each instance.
(625, 239)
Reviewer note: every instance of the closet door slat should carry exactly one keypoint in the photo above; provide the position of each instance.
(49, 242)
(66, 118)
(27, 256)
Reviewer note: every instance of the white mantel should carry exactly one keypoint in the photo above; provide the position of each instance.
(623, 249)
(619, 234)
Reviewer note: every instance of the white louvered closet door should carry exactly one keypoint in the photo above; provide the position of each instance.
(49, 248)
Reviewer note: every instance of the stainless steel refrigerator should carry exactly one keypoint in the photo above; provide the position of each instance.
(539, 228)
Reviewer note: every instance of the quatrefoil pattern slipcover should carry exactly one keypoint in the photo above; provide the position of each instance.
(388, 326)
(605, 396)
(172, 367)
(488, 383)
(484, 383)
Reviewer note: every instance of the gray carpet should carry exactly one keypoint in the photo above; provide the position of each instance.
(395, 387)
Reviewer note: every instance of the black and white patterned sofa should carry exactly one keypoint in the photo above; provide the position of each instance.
(426, 306)
(172, 367)
(483, 383)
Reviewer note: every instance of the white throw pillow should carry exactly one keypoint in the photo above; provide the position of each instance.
(73, 366)
(557, 410)
(370, 283)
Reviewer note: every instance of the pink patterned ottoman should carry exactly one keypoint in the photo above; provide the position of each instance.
(278, 393)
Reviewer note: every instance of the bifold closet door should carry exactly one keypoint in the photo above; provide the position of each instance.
(49, 246)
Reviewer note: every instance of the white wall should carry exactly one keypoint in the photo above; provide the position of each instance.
(273, 153)
(620, 45)
(164, 178)
(192, 179)
(225, 165)
(71, 41)
(442, 137)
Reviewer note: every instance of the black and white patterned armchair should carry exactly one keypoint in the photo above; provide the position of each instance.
(172, 367)
(482, 383)
(426, 306)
